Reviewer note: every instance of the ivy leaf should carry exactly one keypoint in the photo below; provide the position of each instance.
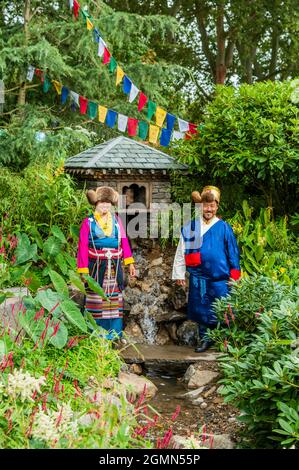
(59, 283)
(74, 315)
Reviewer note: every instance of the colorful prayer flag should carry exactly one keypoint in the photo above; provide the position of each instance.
(102, 112)
(192, 128)
(101, 47)
(170, 120)
(160, 116)
(127, 84)
(83, 104)
(165, 137)
(151, 109)
(112, 64)
(89, 24)
(64, 94)
(177, 135)
(142, 101)
(132, 126)
(92, 110)
(142, 129)
(46, 84)
(74, 97)
(133, 93)
(119, 75)
(76, 8)
(122, 122)
(183, 125)
(96, 35)
(153, 133)
(30, 73)
(57, 86)
(111, 118)
(107, 55)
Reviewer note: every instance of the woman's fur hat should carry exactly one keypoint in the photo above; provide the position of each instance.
(102, 194)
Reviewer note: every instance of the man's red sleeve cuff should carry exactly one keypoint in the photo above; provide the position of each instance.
(235, 274)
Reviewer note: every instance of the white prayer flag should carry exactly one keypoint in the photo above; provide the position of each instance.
(30, 73)
(133, 93)
(183, 125)
(74, 97)
(177, 135)
(122, 122)
(71, 4)
(102, 46)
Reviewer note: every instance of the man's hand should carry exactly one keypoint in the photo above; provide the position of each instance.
(181, 282)
(132, 270)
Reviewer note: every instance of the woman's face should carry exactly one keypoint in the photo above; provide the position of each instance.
(103, 207)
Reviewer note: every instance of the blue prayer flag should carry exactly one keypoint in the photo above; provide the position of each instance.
(170, 120)
(111, 118)
(127, 85)
(64, 94)
(165, 137)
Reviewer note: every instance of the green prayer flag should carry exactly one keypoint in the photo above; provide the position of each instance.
(92, 110)
(46, 84)
(142, 130)
(112, 64)
(151, 109)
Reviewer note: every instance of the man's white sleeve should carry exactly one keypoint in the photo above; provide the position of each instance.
(179, 266)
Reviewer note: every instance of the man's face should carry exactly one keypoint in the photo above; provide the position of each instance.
(209, 210)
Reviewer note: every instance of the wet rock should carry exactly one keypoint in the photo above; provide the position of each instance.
(162, 336)
(134, 333)
(137, 385)
(197, 377)
(187, 333)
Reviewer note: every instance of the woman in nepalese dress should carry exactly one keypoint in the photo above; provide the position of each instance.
(102, 247)
(208, 250)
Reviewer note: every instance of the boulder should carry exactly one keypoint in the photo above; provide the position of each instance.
(137, 385)
(134, 333)
(162, 336)
(197, 377)
(178, 297)
(187, 333)
(157, 262)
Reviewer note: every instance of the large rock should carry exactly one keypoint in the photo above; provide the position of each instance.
(157, 262)
(197, 377)
(137, 385)
(12, 305)
(76, 295)
(213, 441)
(134, 333)
(162, 336)
(187, 333)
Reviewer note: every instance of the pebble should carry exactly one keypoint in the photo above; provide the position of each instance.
(203, 405)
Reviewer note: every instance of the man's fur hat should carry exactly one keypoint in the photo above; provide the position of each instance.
(102, 194)
(197, 197)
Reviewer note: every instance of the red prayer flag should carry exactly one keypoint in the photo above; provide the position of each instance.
(132, 126)
(76, 8)
(142, 101)
(188, 135)
(192, 128)
(83, 104)
(107, 56)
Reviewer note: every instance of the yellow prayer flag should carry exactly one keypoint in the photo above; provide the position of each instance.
(160, 116)
(153, 133)
(58, 86)
(119, 75)
(89, 24)
(102, 113)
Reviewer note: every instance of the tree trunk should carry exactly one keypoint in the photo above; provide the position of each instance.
(22, 92)
(220, 59)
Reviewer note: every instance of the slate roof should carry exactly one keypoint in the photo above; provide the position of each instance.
(122, 152)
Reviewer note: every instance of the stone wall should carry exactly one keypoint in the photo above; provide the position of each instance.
(161, 191)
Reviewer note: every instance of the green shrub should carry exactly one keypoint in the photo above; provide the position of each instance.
(261, 366)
